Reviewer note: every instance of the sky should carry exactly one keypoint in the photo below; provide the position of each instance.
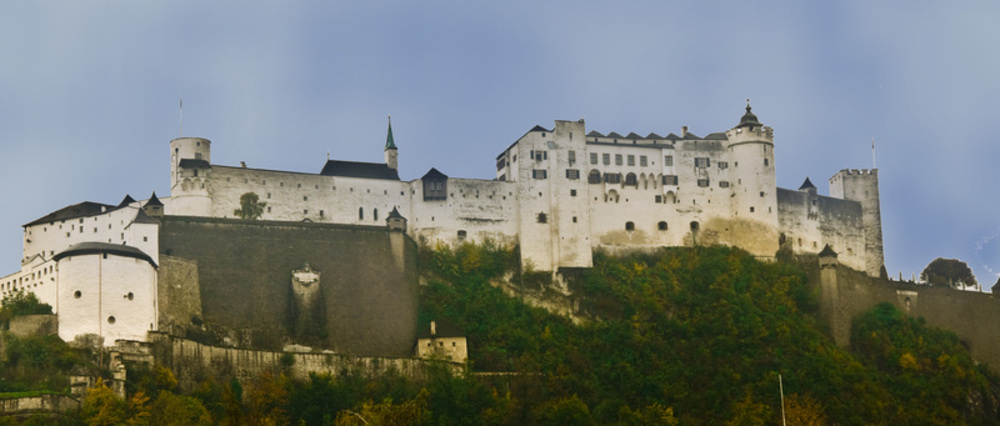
(89, 94)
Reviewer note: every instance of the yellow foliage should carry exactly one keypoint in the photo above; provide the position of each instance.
(908, 362)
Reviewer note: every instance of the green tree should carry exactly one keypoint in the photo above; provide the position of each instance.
(251, 208)
(952, 273)
(21, 303)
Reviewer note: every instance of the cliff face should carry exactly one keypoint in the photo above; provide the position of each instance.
(240, 272)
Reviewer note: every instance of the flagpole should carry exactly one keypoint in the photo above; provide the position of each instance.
(781, 388)
(182, 114)
(873, 152)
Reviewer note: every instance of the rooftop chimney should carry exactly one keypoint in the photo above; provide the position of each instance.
(684, 131)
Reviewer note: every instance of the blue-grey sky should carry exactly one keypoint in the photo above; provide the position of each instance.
(89, 94)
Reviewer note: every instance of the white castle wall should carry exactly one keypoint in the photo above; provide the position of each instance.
(474, 211)
(809, 222)
(36, 276)
(114, 226)
(862, 186)
(112, 296)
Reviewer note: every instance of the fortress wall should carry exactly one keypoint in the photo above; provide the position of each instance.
(49, 238)
(811, 221)
(188, 360)
(37, 276)
(847, 293)
(178, 292)
(484, 209)
(244, 272)
(299, 196)
(116, 299)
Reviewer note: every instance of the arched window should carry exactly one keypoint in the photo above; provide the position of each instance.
(361, 213)
(629, 226)
(661, 226)
(374, 214)
(631, 180)
(594, 177)
(694, 226)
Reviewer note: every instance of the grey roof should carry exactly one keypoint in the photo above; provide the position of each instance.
(633, 135)
(433, 173)
(126, 201)
(443, 328)
(595, 134)
(721, 136)
(153, 201)
(193, 163)
(394, 214)
(538, 128)
(690, 135)
(84, 209)
(615, 135)
(142, 217)
(673, 137)
(749, 119)
(827, 252)
(652, 135)
(93, 247)
(807, 184)
(359, 170)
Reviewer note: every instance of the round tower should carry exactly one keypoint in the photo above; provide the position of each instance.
(754, 201)
(190, 169)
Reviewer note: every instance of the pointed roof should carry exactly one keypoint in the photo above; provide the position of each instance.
(595, 134)
(443, 328)
(389, 142)
(615, 135)
(807, 184)
(652, 135)
(126, 201)
(749, 119)
(394, 214)
(538, 128)
(690, 135)
(153, 201)
(434, 174)
(633, 135)
(142, 217)
(827, 252)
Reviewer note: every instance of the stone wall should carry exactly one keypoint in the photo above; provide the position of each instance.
(847, 293)
(244, 272)
(34, 325)
(34, 405)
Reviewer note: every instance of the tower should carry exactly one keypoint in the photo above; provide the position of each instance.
(391, 153)
(862, 186)
(190, 169)
(754, 201)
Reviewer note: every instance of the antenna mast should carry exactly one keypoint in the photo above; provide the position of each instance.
(873, 152)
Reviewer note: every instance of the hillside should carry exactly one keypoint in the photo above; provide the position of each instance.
(686, 336)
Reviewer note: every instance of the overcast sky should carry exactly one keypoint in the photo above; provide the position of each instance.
(89, 94)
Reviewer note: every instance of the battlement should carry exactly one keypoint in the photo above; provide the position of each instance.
(872, 172)
(741, 134)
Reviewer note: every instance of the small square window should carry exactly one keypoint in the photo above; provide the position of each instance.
(572, 193)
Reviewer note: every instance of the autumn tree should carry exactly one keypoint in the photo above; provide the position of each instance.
(952, 273)
(251, 208)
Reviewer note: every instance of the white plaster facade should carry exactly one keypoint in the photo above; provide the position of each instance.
(559, 193)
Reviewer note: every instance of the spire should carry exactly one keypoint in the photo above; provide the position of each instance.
(389, 143)
(807, 185)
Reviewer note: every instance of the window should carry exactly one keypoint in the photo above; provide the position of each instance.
(542, 218)
(618, 159)
(77, 294)
(751, 209)
(606, 159)
(723, 184)
(722, 164)
(461, 234)
(593, 158)
(572, 157)
(501, 163)
(374, 214)
(659, 199)
(668, 160)
(701, 162)
(762, 194)
(111, 320)
(765, 162)
(630, 179)
(361, 213)
(703, 183)
(613, 177)
(642, 160)
(631, 160)
(305, 198)
(594, 176)
(321, 213)
(629, 226)
(539, 155)
(574, 219)
(539, 174)
(572, 174)
(130, 296)
(572, 193)
(662, 226)
(694, 226)
(670, 179)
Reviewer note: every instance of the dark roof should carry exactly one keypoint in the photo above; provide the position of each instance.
(389, 142)
(84, 209)
(153, 201)
(92, 247)
(749, 119)
(359, 170)
(689, 135)
(595, 134)
(395, 214)
(717, 136)
(632, 135)
(142, 217)
(827, 252)
(807, 184)
(615, 135)
(434, 174)
(673, 137)
(126, 201)
(193, 163)
(443, 328)
(538, 128)
(653, 136)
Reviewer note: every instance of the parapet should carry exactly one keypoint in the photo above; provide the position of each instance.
(871, 172)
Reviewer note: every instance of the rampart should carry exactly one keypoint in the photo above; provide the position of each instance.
(45, 405)
(846, 294)
(243, 270)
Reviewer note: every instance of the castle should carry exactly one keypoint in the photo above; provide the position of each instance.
(559, 193)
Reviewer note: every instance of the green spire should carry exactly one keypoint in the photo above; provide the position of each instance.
(389, 143)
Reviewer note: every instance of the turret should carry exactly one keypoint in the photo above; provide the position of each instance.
(754, 198)
(190, 169)
(862, 186)
(391, 153)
